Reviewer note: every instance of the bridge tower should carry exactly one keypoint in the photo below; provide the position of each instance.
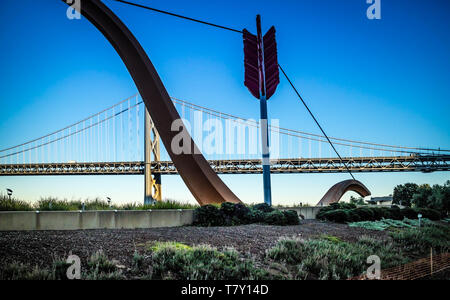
(152, 184)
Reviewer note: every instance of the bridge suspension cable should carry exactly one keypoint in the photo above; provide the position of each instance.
(81, 141)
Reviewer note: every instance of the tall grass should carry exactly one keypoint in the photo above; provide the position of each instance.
(166, 204)
(55, 204)
(7, 204)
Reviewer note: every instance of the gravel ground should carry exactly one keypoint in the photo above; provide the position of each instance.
(41, 247)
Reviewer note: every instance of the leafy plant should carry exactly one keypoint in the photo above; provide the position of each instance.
(337, 214)
(230, 214)
(208, 215)
(418, 241)
(203, 263)
(332, 259)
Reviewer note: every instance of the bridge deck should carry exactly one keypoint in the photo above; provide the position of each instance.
(431, 163)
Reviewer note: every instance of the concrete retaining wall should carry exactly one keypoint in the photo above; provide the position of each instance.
(307, 212)
(75, 220)
(107, 219)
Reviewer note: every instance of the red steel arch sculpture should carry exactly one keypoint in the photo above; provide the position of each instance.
(339, 189)
(199, 177)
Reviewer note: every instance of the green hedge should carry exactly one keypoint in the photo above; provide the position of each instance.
(344, 213)
(230, 214)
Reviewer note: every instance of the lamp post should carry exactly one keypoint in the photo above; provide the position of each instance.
(9, 192)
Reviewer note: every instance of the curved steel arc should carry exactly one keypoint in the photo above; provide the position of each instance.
(339, 189)
(199, 177)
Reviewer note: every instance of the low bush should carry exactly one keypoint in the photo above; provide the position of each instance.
(428, 213)
(291, 217)
(99, 267)
(339, 214)
(208, 215)
(265, 208)
(275, 218)
(255, 216)
(395, 213)
(418, 241)
(389, 223)
(365, 213)
(100, 263)
(409, 213)
(230, 214)
(203, 263)
(18, 271)
(378, 212)
(333, 259)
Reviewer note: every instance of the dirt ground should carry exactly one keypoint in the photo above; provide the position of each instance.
(42, 247)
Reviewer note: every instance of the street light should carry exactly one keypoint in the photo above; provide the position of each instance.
(9, 192)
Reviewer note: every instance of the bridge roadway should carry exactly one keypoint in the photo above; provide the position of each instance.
(414, 163)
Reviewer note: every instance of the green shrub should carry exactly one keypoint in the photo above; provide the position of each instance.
(428, 213)
(291, 217)
(337, 216)
(138, 260)
(235, 214)
(378, 212)
(409, 213)
(99, 267)
(59, 268)
(255, 216)
(263, 207)
(208, 215)
(353, 216)
(230, 214)
(365, 213)
(18, 271)
(321, 213)
(344, 205)
(337, 213)
(275, 218)
(100, 263)
(418, 241)
(328, 259)
(389, 223)
(395, 213)
(203, 263)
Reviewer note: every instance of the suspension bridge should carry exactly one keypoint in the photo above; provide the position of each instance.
(124, 140)
(121, 140)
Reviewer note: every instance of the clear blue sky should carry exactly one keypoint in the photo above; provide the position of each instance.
(384, 81)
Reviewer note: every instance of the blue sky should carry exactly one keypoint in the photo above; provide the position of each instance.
(384, 81)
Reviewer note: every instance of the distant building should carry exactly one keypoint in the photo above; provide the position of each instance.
(381, 200)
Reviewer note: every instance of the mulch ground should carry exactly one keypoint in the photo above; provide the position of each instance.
(41, 247)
